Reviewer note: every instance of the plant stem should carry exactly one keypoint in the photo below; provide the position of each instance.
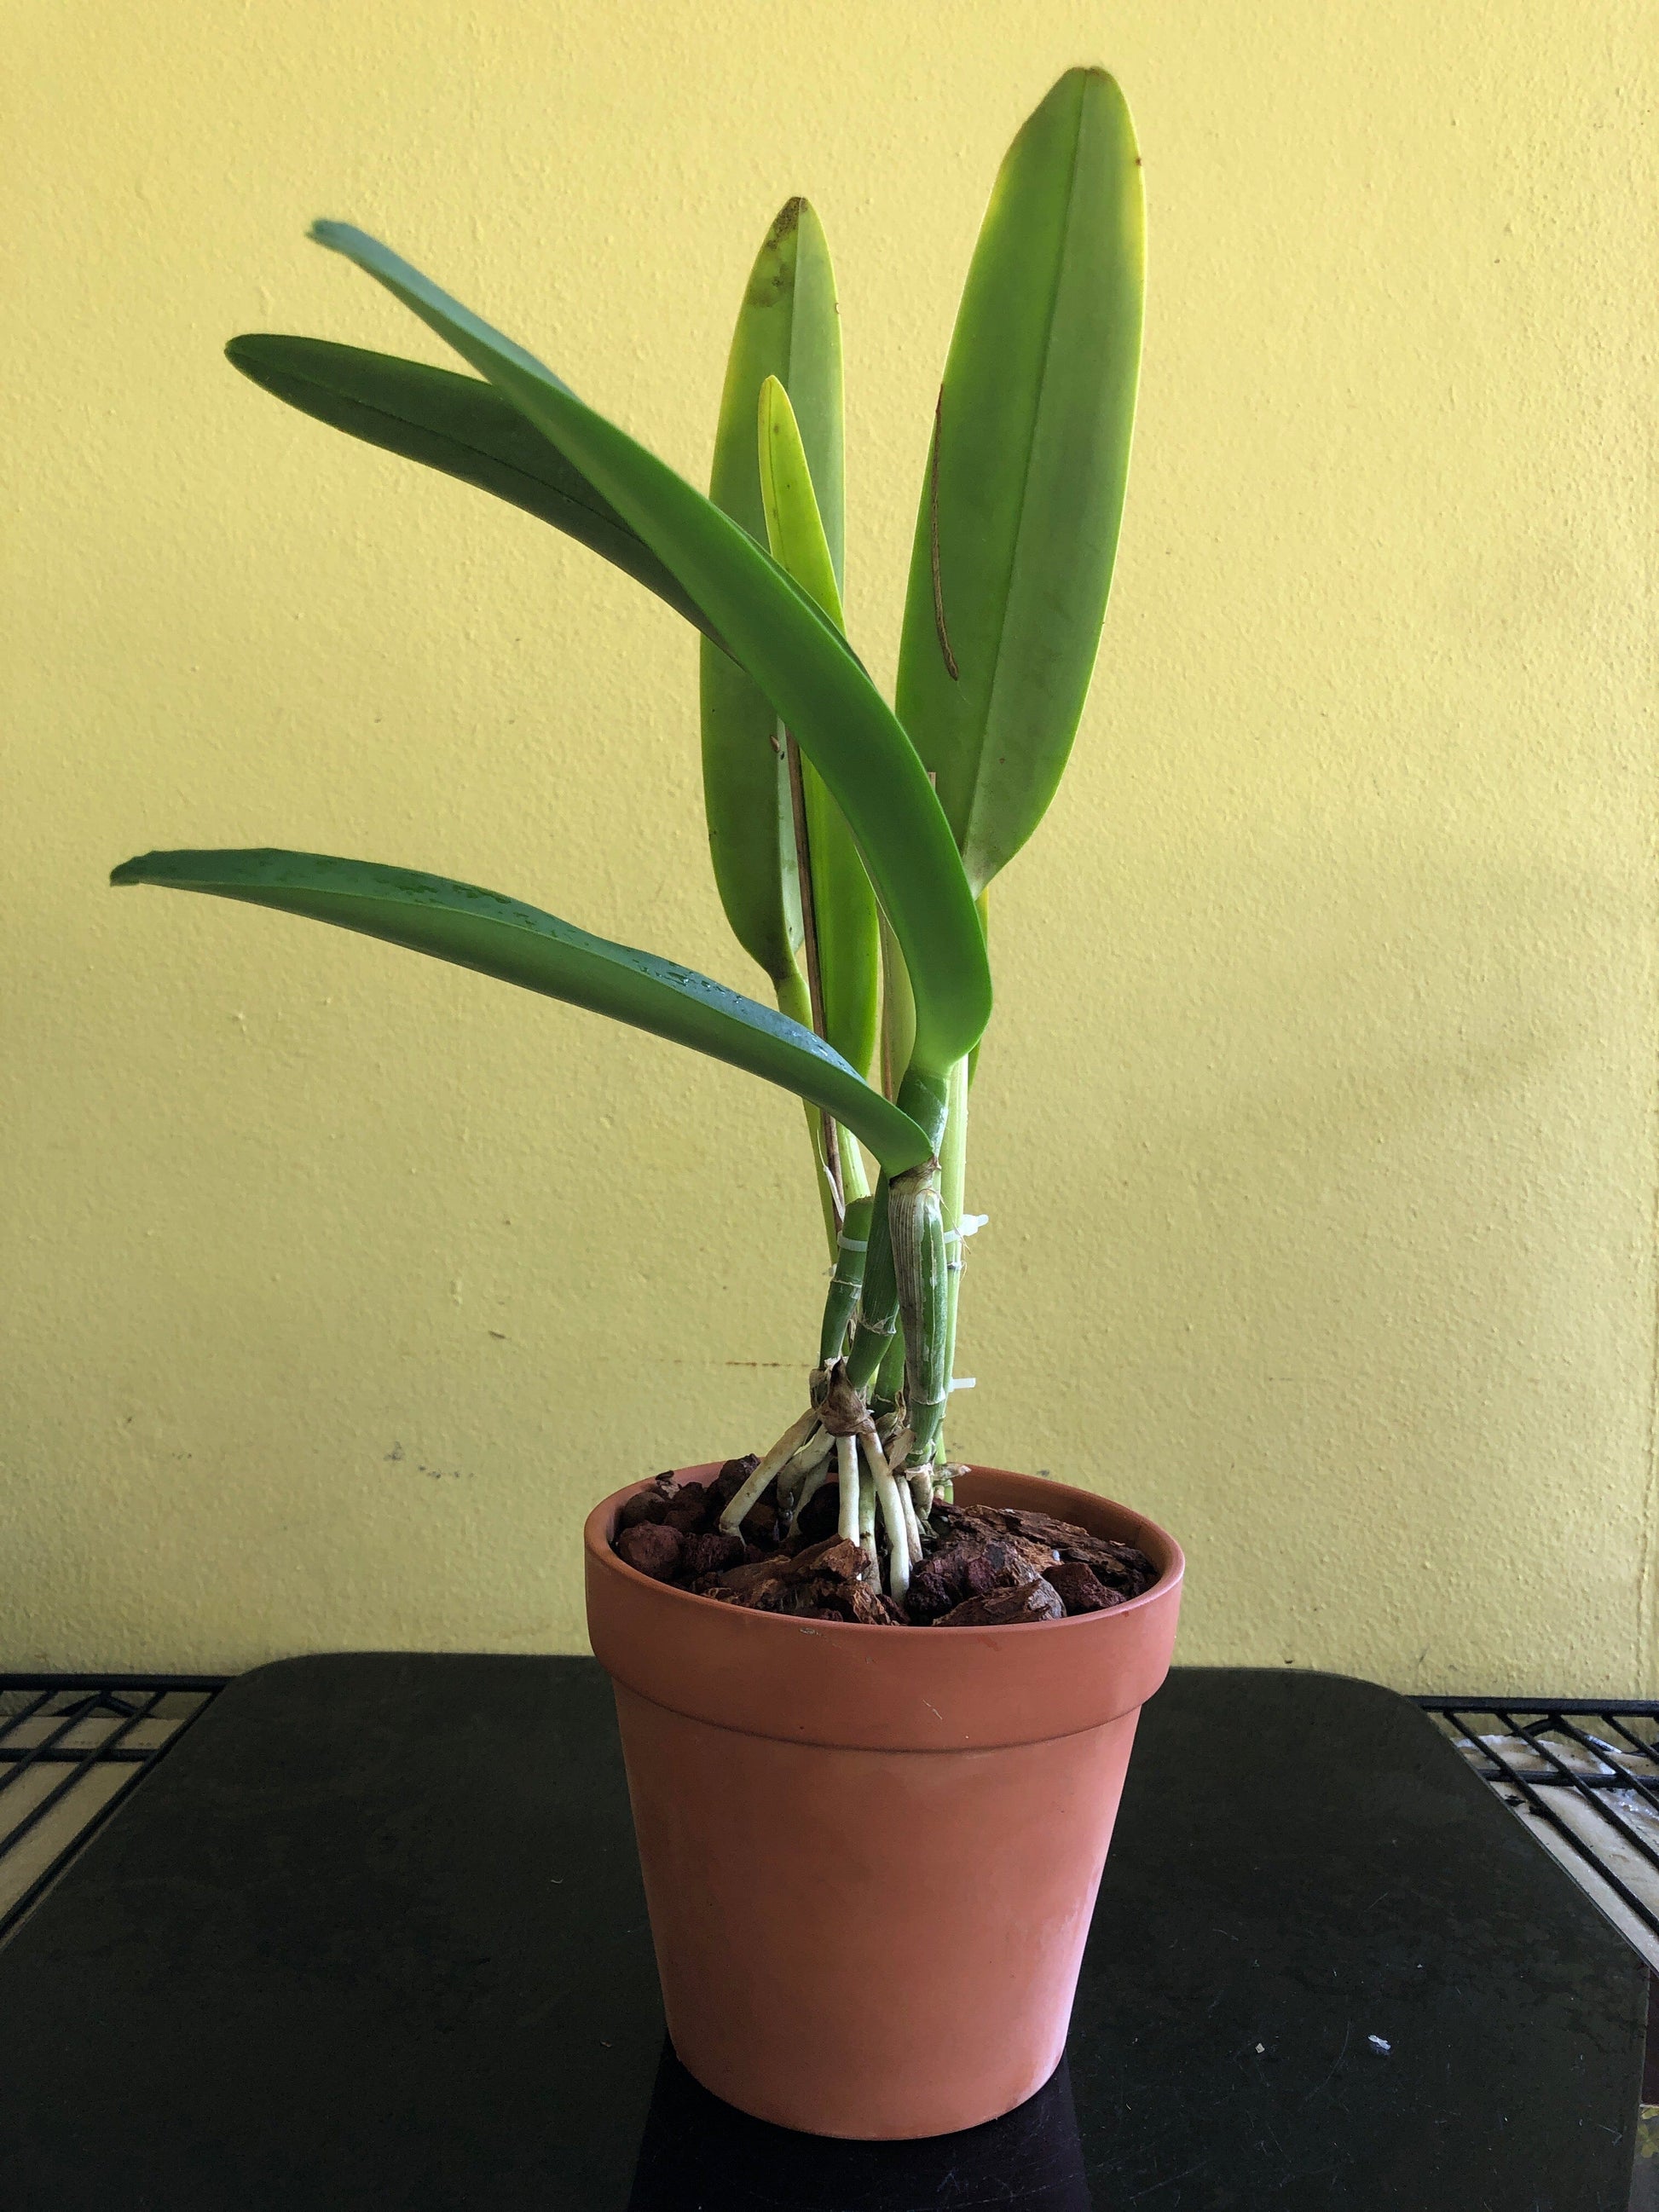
(983, 903)
(879, 1298)
(792, 997)
(809, 923)
(845, 1284)
(918, 1264)
(898, 1012)
(917, 1237)
(953, 1162)
(889, 1386)
(925, 1099)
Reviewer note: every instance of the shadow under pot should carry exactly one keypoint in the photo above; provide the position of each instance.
(697, 2151)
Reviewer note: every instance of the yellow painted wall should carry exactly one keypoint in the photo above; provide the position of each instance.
(1316, 1126)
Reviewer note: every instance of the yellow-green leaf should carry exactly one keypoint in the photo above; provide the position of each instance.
(519, 944)
(1017, 527)
(778, 634)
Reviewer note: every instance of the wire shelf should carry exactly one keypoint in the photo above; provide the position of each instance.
(71, 1745)
(1584, 1773)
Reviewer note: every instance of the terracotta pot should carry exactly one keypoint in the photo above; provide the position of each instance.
(870, 1855)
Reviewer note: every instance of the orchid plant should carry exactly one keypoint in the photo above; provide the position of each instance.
(854, 843)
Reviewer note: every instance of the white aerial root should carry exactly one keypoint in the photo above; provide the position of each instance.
(898, 1535)
(809, 1489)
(787, 1446)
(800, 1466)
(915, 1482)
(866, 1491)
(869, 1469)
(898, 1442)
(912, 1525)
(847, 1473)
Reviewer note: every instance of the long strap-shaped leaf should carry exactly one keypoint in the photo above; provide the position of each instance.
(847, 940)
(773, 630)
(456, 424)
(787, 326)
(519, 943)
(1019, 512)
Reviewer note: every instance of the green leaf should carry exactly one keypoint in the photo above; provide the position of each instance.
(456, 424)
(519, 943)
(844, 904)
(1019, 514)
(795, 523)
(787, 326)
(775, 631)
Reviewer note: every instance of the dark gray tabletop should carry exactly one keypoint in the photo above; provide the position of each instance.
(374, 1935)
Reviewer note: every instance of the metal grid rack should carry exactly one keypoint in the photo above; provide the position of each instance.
(1584, 1773)
(70, 1747)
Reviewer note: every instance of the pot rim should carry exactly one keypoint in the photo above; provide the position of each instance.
(600, 1523)
(906, 1689)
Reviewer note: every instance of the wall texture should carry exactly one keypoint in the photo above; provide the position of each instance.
(1317, 1124)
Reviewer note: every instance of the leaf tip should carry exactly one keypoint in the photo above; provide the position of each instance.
(773, 400)
(786, 221)
(339, 237)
